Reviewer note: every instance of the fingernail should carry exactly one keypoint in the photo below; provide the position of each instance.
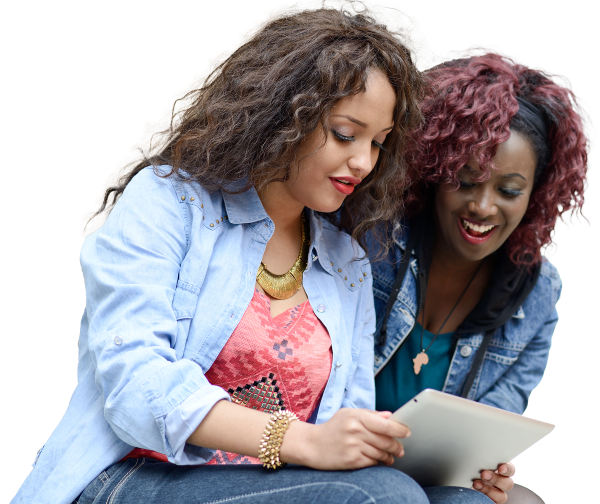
(504, 470)
(486, 475)
(408, 434)
(478, 485)
(401, 454)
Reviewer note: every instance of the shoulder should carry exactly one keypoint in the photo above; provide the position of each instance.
(346, 257)
(550, 272)
(549, 279)
(155, 191)
(546, 291)
(155, 179)
(340, 244)
(150, 179)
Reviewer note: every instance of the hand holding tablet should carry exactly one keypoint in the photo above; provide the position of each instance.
(451, 442)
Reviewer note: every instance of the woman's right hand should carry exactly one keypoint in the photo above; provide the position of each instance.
(351, 439)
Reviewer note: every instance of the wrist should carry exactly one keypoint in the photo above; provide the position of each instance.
(297, 444)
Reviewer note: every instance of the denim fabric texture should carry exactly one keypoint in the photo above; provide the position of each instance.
(144, 481)
(167, 278)
(518, 353)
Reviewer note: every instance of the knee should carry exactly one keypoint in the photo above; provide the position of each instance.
(389, 486)
(521, 495)
(455, 495)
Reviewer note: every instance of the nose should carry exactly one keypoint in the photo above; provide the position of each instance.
(483, 204)
(362, 159)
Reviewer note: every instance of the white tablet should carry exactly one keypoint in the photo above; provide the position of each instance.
(454, 438)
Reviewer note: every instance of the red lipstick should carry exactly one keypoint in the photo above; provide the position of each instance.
(345, 185)
(472, 239)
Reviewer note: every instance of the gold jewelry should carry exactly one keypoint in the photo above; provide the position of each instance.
(268, 452)
(286, 285)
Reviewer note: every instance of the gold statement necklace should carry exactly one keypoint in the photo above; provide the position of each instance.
(286, 285)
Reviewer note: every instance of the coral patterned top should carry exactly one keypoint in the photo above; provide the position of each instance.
(269, 364)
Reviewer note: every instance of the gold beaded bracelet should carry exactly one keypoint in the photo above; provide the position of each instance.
(270, 445)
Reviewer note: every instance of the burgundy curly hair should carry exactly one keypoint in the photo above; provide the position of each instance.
(469, 109)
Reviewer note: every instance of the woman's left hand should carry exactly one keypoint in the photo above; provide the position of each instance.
(495, 484)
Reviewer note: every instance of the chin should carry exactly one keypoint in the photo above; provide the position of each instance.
(329, 207)
(476, 255)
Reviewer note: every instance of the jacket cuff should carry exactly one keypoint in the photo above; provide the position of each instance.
(183, 421)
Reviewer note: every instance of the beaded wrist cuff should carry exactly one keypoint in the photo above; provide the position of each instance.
(268, 452)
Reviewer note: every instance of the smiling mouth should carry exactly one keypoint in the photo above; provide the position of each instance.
(345, 182)
(476, 230)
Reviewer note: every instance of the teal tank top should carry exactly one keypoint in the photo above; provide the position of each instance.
(397, 382)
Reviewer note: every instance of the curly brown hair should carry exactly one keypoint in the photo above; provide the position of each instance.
(253, 111)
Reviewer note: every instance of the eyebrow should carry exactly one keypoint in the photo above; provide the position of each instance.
(356, 121)
(512, 175)
(508, 175)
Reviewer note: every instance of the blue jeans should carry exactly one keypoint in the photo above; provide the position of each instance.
(146, 481)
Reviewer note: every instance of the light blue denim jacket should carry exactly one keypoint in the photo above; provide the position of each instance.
(518, 352)
(167, 279)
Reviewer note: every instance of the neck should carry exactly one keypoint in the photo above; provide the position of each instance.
(284, 211)
(447, 261)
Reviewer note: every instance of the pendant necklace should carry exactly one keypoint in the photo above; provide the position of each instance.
(422, 358)
(286, 285)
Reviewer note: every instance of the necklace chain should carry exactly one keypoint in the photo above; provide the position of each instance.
(422, 358)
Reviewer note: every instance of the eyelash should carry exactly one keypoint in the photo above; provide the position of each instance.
(511, 193)
(345, 138)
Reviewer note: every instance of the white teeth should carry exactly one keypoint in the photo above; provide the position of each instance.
(475, 227)
(343, 182)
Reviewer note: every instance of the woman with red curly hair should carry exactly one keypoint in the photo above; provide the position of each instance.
(465, 300)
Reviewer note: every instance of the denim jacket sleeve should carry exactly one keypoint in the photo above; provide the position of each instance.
(130, 265)
(512, 390)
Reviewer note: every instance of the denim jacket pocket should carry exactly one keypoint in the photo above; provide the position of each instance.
(185, 301)
(498, 360)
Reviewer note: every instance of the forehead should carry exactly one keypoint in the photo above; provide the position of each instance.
(516, 155)
(375, 104)
(516, 152)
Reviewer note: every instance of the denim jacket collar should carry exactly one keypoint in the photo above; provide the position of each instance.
(246, 208)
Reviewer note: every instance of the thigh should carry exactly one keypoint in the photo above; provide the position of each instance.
(456, 495)
(145, 481)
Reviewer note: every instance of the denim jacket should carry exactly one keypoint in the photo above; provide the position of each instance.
(167, 278)
(518, 352)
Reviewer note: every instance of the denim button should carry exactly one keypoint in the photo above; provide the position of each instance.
(118, 340)
(321, 308)
(466, 351)
(378, 360)
(338, 364)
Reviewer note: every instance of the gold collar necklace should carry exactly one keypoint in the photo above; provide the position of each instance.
(286, 285)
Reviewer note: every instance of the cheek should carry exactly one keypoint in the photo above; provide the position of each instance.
(515, 213)
(447, 202)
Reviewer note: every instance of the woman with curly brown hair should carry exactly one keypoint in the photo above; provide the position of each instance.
(228, 320)
(465, 301)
